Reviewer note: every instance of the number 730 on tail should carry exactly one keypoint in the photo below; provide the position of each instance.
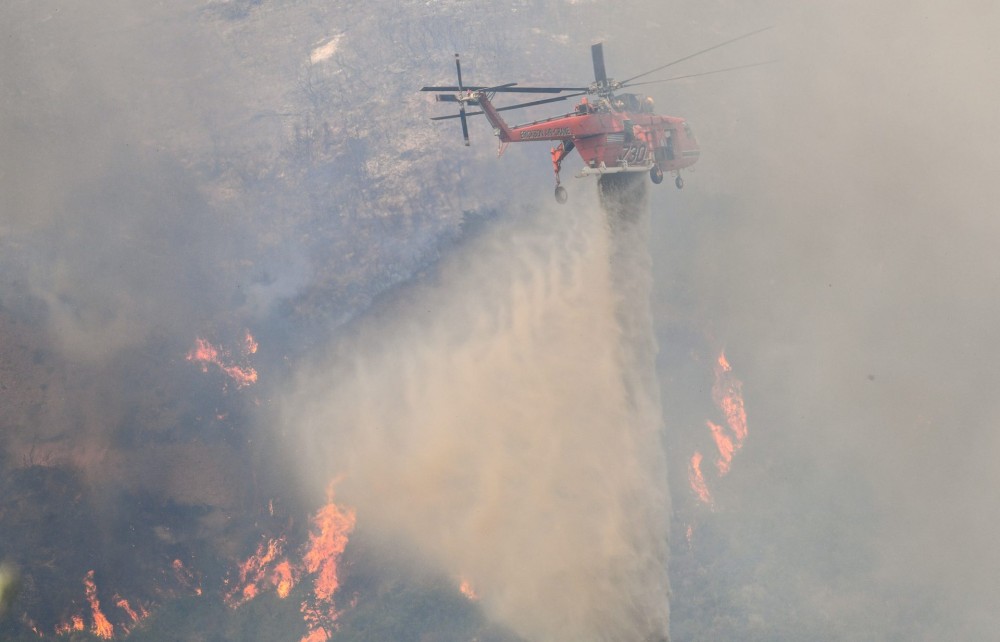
(613, 132)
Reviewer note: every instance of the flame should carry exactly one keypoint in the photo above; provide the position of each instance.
(283, 579)
(250, 345)
(185, 577)
(75, 624)
(697, 480)
(330, 527)
(334, 524)
(327, 542)
(725, 445)
(102, 627)
(137, 616)
(465, 586)
(262, 568)
(316, 635)
(204, 353)
(728, 395)
(253, 571)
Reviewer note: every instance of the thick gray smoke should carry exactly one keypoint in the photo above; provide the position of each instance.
(188, 168)
(503, 416)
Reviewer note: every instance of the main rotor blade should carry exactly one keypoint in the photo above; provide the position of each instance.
(452, 98)
(470, 88)
(461, 105)
(542, 102)
(704, 73)
(541, 90)
(597, 53)
(698, 53)
(465, 124)
(517, 106)
(508, 88)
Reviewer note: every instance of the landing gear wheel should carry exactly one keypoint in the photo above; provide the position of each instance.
(656, 175)
(561, 195)
(679, 182)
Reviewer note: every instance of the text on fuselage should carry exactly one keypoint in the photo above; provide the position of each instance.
(545, 133)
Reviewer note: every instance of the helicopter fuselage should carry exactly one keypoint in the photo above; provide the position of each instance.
(608, 136)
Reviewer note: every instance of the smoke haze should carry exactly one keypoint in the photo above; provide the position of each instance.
(845, 259)
(194, 169)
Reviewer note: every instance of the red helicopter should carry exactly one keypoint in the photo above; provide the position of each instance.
(613, 132)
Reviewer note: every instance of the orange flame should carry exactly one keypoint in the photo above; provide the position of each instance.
(728, 395)
(205, 353)
(283, 579)
(727, 392)
(123, 604)
(465, 586)
(136, 616)
(697, 480)
(253, 571)
(75, 624)
(316, 635)
(326, 545)
(333, 525)
(102, 627)
(725, 446)
(254, 574)
(328, 537)
(185, 577)
(250, 345)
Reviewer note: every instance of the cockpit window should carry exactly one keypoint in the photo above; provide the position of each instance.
(687, 130)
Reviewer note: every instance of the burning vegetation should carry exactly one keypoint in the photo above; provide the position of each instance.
(697, 479)
(237, 370)
(176, 566)
(317, 561)
(728, 436)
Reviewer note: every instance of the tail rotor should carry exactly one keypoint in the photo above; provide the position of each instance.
(461, 104)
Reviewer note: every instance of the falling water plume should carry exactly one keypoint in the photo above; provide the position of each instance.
(501, 415)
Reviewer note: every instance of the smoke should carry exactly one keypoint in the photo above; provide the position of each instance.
(107, 230)
(186, 170)
(502, 415)
(840, 243)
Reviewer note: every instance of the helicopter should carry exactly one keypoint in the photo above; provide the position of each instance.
(613, 132)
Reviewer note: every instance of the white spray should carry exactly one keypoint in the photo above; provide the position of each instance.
(503, 417)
